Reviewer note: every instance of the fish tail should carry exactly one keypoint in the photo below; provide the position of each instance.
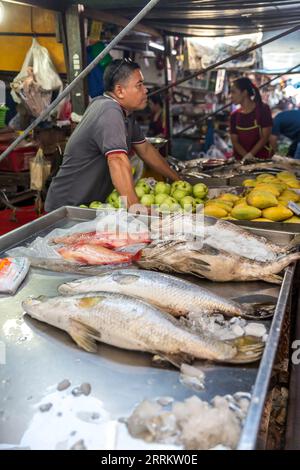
(258, 310)
(284, 261)
(295, 242)
(249, 349)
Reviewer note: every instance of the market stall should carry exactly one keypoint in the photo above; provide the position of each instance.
(145, 393)
(41, 360)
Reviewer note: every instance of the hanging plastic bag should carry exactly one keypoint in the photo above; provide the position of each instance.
(36, 80)
(40, 169)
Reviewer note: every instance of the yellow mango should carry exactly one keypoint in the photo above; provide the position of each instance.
(280, 185)
(261, 199)
(245, 212)
(291, 183)
(215, 211)
(249, 182)
(242, 200)
(228, 217)
(283, 201)
(293, 220)
(268, 187)
(278, 214)
(262, 219)
(290, 195)
(265, 178)
(283, 175)
(223, 204)
(229, 197)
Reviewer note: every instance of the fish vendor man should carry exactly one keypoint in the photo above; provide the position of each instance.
(96, 155)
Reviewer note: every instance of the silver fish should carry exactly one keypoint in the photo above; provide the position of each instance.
(220, 234)
(234, 239)
(211, 263)
(169, 293)
(287, 162)
(128, 323)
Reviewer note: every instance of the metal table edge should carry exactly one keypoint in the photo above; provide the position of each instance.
(251, 426)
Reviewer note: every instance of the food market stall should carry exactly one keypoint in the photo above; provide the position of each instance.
(44, 368)
(60, 386)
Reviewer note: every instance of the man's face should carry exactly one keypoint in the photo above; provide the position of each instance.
(132, 94)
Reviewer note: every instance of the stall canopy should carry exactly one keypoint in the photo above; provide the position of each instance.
(199, 17)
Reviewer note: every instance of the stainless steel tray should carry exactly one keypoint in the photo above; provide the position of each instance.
(38, 357)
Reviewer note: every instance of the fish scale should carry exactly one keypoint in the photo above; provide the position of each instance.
(129, 323)
(174, 295)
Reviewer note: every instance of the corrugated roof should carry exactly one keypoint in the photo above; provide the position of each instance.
(203, 17)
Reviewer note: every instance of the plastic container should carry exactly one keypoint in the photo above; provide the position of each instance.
(19, 158)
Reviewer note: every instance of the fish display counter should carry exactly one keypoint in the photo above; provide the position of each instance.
(55, 395)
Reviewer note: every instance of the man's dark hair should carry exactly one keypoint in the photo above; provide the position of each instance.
(118, 71)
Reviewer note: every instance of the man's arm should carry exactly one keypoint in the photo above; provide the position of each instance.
(121, 175)
(154, 160)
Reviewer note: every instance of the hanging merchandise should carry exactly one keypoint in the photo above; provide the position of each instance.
(34, 84)
(40, 169)
(95, 77)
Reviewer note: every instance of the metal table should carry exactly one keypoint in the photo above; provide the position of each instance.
(39, 356)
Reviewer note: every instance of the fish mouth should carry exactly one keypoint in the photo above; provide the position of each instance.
(30, 302)
(66, 288)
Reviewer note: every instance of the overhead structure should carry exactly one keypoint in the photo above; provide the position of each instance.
(198, 17)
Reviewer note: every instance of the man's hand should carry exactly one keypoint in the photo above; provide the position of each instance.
(151, 156)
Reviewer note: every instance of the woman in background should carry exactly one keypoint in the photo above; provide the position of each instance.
(156, 126)
(251, 124)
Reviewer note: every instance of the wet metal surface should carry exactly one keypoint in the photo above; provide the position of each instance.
(39, 358)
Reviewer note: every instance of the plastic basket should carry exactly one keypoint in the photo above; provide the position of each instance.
(3, 110)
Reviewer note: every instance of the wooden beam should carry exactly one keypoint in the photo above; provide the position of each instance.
(120, 21)
(75, 45)
(48, 4)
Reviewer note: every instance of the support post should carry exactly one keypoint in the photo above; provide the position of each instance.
(167, 94)
(75, 44)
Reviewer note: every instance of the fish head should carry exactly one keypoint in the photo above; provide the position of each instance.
(46, 309)
(87, 284)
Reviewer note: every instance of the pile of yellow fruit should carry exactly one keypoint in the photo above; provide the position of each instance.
(265, 200)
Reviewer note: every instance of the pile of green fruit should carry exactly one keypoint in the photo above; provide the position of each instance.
(168, 197)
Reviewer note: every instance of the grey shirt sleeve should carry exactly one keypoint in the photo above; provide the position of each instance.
(138, 136)
(110, 131)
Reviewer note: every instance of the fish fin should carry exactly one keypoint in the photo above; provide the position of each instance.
(294, 243)
(273, 278)
(259, 310)
(175, 359)
(84, 335)
(137, 256)
(125, 279)
(249, 349)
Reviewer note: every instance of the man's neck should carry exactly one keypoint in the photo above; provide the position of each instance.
(111, 95)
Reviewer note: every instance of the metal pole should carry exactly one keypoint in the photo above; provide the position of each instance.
(228, 59)
(82, 74)
(207, 116)
(167, 96)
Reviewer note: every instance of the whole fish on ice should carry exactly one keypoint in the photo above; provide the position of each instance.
(128, 323)
(94, 255)
(217, 265)
(169, 293)
(221, 234)
(106, 239)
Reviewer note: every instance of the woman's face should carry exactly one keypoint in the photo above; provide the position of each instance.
(237, 95)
